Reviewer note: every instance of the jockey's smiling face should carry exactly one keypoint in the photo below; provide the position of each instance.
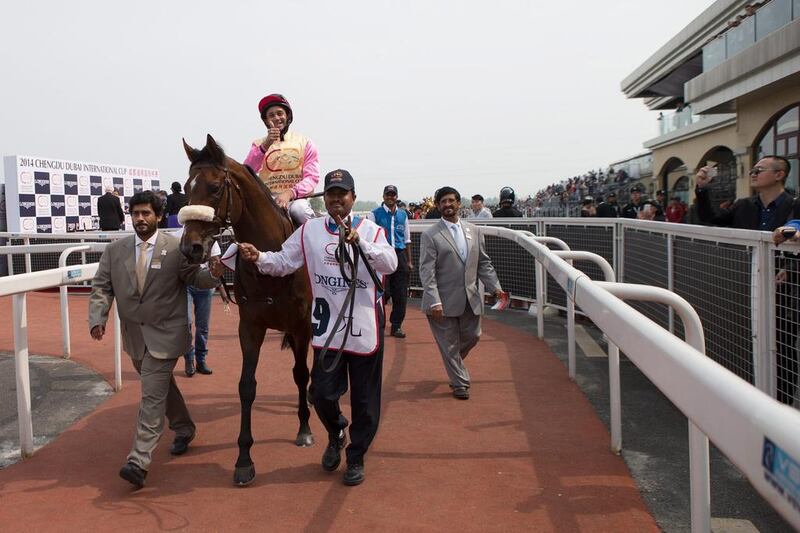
(276, 117)
(339, 201)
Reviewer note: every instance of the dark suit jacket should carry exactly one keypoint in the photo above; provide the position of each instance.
(744, 214)
(175, 201)
(157, 320)
(110, 212)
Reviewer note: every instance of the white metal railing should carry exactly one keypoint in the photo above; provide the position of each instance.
(758, 434)
(17, 287)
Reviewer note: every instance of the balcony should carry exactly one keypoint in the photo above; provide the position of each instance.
(767, 19)
(670, 122)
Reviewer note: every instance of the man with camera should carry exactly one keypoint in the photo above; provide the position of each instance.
(767, 210)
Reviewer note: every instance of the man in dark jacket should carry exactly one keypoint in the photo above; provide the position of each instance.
(176, 200)
(109, 210)
(768, 209)
(609, 208)
(507, 209)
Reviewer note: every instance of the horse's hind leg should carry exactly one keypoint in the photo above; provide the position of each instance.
(250, 338)
(299, 344)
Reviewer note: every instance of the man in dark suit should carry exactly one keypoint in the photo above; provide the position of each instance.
(452, 261)
(147, 275)
(109, 210)
(175, 201)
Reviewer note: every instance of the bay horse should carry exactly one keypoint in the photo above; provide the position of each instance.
(226, 193)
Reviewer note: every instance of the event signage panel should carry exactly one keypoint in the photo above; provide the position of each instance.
(59, 196)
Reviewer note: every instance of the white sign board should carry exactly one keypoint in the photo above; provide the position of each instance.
(59, 196)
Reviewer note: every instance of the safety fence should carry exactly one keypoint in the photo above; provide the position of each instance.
(759, 435)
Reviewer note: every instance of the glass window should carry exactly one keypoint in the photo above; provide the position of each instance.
(714, 53)
(772, 16)
(791, 149)
(792, 181)
(780, 147)
(767, 144)
(741, 37)
(796, 9)
(789, 122)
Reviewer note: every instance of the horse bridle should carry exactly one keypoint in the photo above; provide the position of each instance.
(225, 192)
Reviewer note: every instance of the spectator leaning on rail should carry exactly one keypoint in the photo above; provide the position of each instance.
(286, 161)
(609, 208)
(478, 209)
(766, 210)
(507, 209)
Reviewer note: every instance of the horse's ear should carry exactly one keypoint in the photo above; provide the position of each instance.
(191, 153)
(214, 149)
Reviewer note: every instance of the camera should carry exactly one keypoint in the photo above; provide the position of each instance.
(788, 233)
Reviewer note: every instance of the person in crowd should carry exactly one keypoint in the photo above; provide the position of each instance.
(676, 210)
(587, 207)
(147, 275)
(394, 222)
(507, 209)
(200, 313)
(478, 209)
(109, 210)
(176, 200)
(770, 208)
(639, 207)
(452, 261)
(609, 208)
(164, 222)
(285, 160)
(362, 351)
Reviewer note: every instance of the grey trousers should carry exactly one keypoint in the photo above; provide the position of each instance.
(456, 336)
(160, 397)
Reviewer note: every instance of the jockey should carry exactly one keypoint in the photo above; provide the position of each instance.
(286, 161)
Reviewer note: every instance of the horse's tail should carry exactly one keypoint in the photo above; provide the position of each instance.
(287, 342)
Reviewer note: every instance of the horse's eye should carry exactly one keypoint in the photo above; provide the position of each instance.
(213, 188)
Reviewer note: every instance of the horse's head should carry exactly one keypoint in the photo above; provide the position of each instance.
(214, 199)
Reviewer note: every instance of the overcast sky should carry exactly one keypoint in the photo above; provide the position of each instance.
(420, 94)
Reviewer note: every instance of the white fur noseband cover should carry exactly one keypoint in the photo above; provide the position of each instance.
(203, 213)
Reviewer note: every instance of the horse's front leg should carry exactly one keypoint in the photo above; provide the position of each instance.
(299, 341)
(250, 339)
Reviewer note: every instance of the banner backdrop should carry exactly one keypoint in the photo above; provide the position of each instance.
(58, 196)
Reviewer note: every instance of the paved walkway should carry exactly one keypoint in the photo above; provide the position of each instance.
(526, 452)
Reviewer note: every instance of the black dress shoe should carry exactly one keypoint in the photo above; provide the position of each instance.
(398, 333)
(133, 475)
(189, 369)
(332, 456)
(181, 444)
(461, 393)
(354, 475)
(202, 368)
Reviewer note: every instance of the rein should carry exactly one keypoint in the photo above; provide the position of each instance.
(346, 258)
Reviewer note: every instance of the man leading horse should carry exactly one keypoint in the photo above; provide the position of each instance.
(347, 316)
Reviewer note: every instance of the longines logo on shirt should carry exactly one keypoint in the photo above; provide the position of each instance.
(336, 284)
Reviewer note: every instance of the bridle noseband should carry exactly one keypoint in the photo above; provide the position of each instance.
(225, 193)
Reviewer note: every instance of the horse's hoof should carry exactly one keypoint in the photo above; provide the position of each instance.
(304, 440)
(244, 475)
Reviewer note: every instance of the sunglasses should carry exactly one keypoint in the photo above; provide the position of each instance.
(755, 171)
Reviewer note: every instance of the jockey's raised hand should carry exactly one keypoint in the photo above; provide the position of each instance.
(248, 252)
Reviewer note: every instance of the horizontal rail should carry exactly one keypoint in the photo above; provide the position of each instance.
(46, 279)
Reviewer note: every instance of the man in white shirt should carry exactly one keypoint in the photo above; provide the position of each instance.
(478, 209)
(360, 336)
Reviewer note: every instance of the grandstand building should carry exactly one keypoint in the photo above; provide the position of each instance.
(727, 87)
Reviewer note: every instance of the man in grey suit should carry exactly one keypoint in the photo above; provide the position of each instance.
(147, 275)
(452, 262)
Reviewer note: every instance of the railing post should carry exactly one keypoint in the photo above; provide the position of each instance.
(699, 480)
(671, 280)
(63, 291)
(21, 365)
(27, 242)
(117, 351)
(762, 316)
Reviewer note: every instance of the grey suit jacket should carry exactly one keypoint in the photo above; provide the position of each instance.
(157, 320)
(449, 280)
